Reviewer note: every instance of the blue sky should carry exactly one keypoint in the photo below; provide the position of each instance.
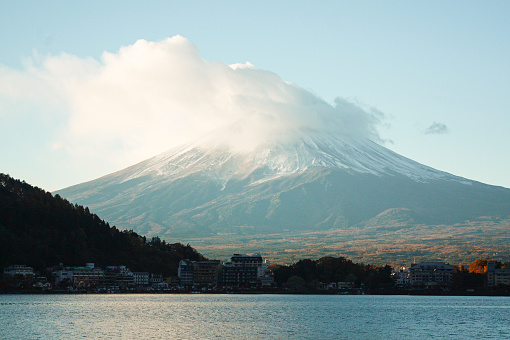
(438, 72)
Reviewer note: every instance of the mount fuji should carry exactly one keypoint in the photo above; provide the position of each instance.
(306, 185)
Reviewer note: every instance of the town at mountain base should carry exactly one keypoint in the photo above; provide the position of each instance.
(48, 244)
(252, 274)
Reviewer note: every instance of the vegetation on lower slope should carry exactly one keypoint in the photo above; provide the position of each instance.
(389, 243)
(41, 230)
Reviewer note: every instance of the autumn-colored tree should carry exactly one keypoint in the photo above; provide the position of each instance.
(273, 267)
(478, 266)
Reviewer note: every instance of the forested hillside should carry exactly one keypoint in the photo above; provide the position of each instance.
(41, 230)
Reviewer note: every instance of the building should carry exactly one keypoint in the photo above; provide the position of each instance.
(119, 276)
(429, 275)
(497, 277)
(185, 272)
(160, 286)
(88, 276)
(155, 280)
(241, 271)
(246, 260)
(205, 273)
(198, 273)
(233, 276)
(401, 277)
(141, 279)
(246, 271)
(18, 269)
(62, 275)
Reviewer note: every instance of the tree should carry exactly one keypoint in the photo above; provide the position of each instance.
(40, 230)
(351, 278)
(296, 282)
(478, 266)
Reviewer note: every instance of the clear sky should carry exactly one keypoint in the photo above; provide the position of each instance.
(436, 72)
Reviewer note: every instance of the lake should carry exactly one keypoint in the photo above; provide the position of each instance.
(201, 316)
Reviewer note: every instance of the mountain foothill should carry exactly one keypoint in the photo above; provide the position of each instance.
(42, 230)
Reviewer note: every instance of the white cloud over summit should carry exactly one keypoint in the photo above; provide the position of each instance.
(150, 96)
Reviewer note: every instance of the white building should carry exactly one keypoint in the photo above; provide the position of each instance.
(141, 279)
(18, 269)
(62, 275)
(185, 272)
(401, 277)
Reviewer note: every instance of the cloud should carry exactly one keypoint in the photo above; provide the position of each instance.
(150, 96)
(436, 128)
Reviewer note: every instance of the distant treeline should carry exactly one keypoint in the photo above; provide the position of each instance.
(308, 274)
(41, 230)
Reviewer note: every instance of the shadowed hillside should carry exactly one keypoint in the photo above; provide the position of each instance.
(41, 230)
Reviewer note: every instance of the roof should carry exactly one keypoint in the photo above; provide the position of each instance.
(431, 265)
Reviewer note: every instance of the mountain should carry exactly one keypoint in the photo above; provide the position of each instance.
(315, 183)
(40, 230)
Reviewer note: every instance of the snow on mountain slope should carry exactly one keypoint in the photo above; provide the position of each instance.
(276, 160)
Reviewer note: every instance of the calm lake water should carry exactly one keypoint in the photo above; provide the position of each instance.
(253, 317)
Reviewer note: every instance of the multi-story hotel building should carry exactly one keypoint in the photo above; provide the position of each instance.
(497, 277)
(428, 275)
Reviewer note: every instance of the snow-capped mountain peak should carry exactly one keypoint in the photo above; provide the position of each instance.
(276, 159)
